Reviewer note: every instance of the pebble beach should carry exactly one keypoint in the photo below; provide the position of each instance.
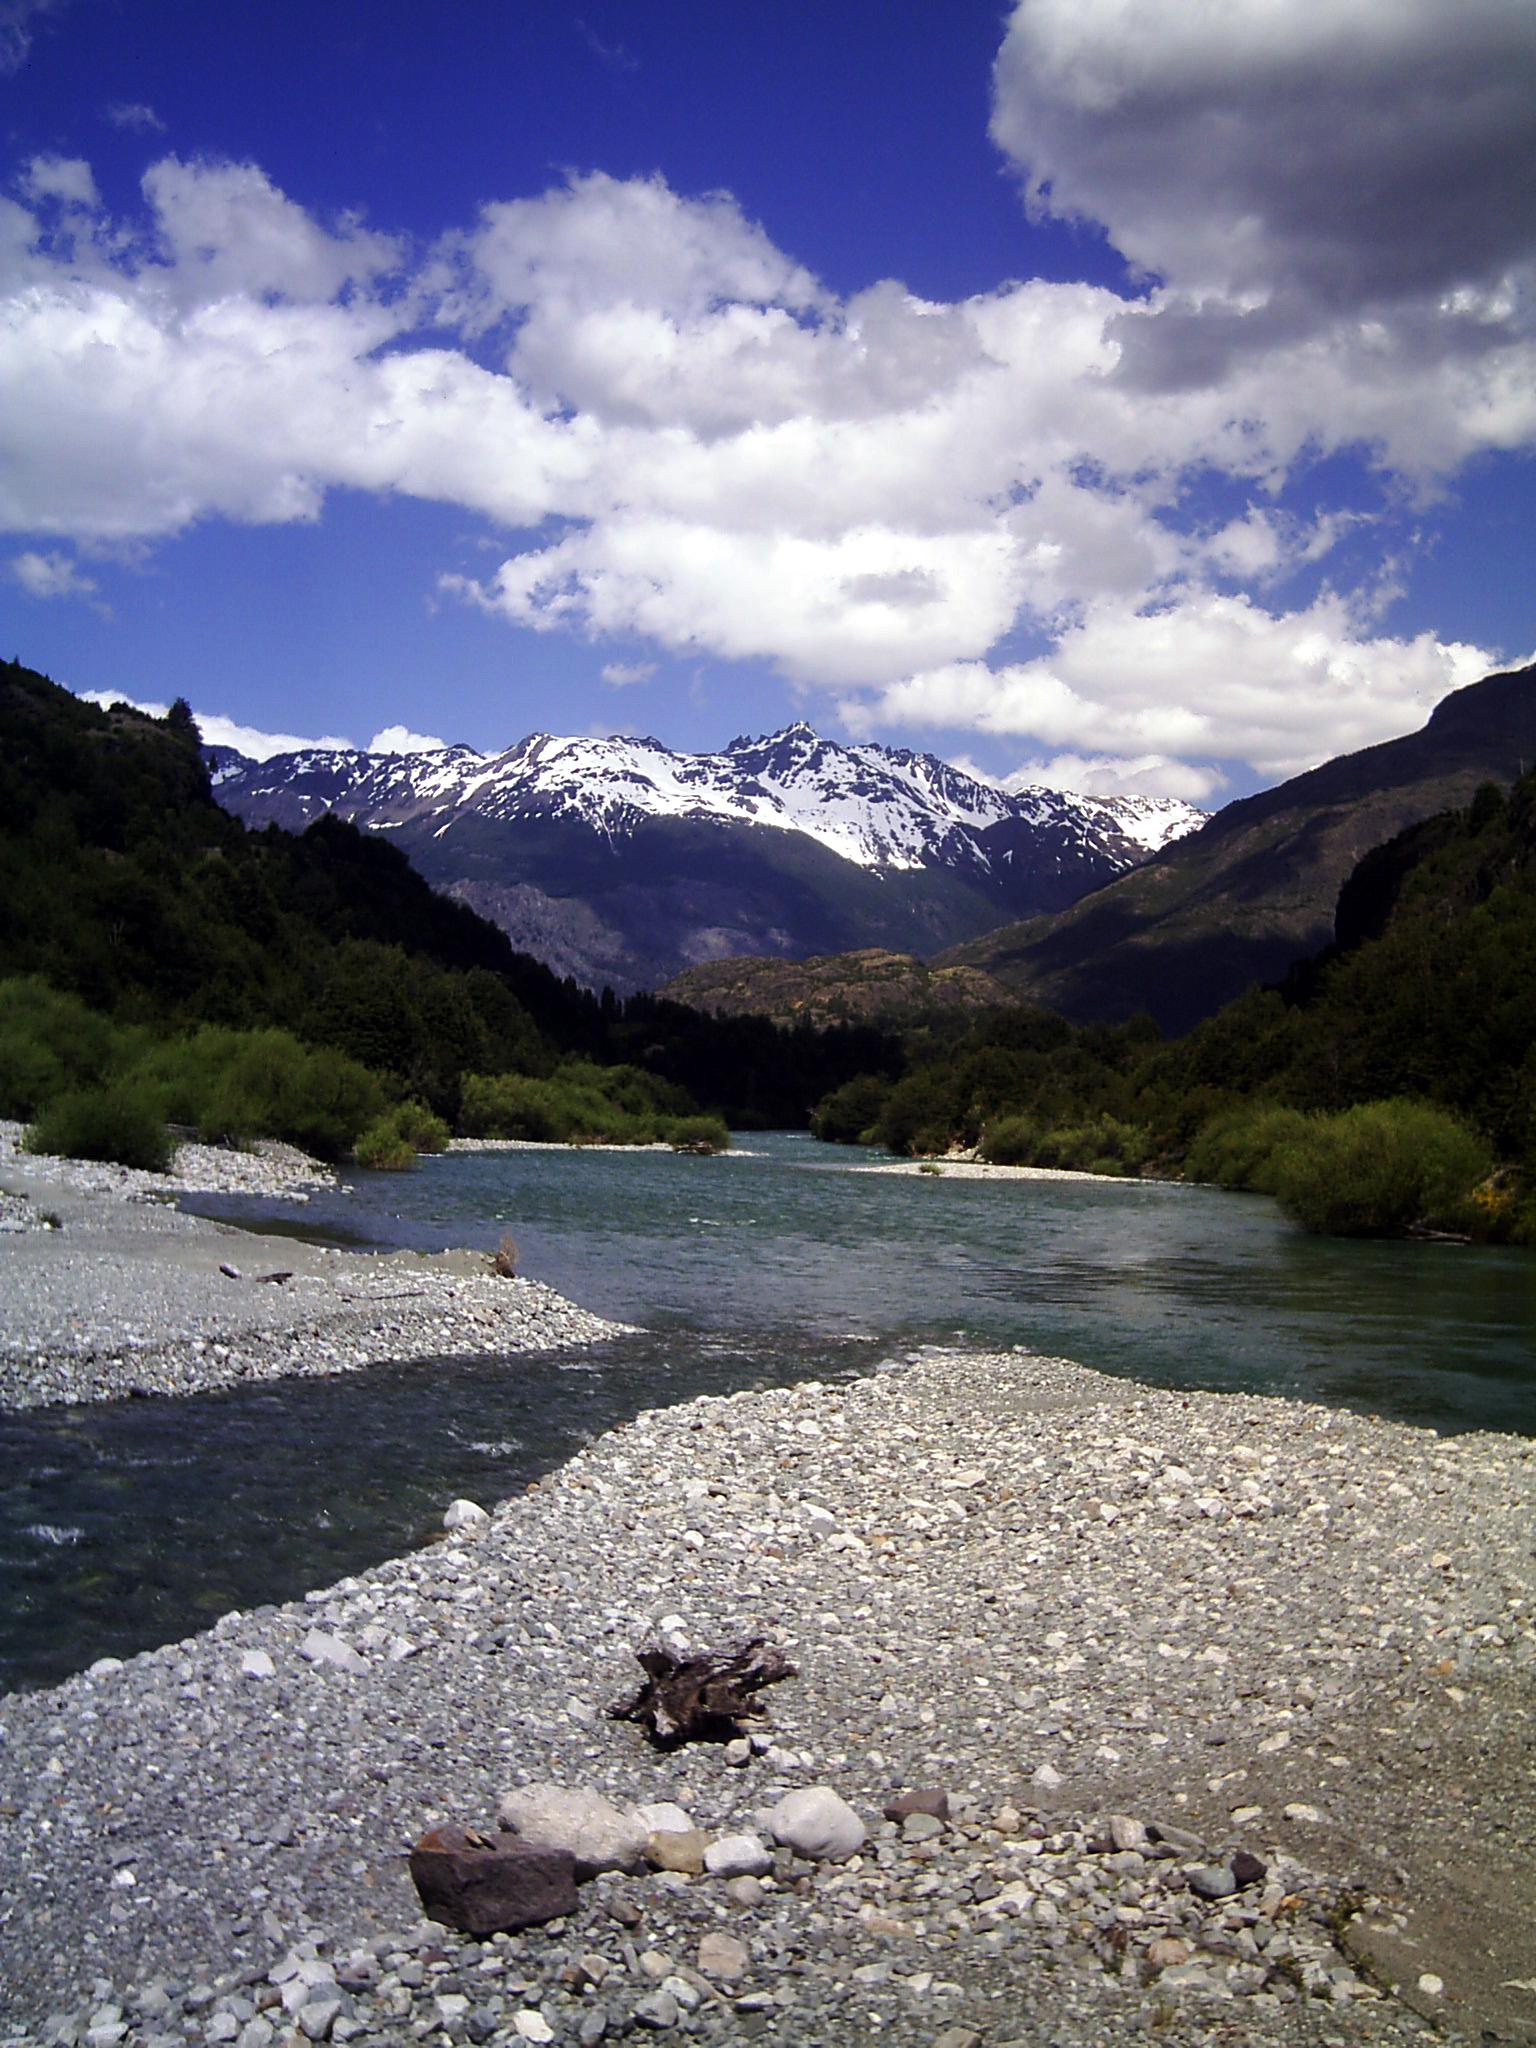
(111, 1291)
(1223, 1709)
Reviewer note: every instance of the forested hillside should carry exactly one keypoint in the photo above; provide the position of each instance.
(124, 884)
(1427, 997)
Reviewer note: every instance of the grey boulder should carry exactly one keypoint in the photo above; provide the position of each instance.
(817, 1823)
(599, 1835)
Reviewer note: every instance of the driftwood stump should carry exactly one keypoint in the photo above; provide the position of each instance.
(703, 1697)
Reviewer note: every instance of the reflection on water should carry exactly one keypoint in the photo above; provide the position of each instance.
(132, 1523)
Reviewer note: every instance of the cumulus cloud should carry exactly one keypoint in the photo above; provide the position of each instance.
(51, 575)
(689, 442)
(1285, 168)
(226, 229)
(65, 178)
(399, 739)
(619, 675)
(1212, 677)
(1110, 775)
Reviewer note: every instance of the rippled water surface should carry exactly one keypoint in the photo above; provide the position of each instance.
(127, 1524)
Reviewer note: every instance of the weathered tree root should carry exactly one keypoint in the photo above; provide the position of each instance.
(701, 1698)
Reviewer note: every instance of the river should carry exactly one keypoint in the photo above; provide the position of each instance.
(128, 1524)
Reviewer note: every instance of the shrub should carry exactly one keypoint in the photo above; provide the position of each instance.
(423, 1131)
(113, 1123)
(581, 1103)
(698, 1133)
(1234, 1149)
(50, 1043)
(849, 1114)
(918, 1115)
(1102, 1144)
(1381, 1169)
(384, 1148)
(1010, 1141)
(513, 1106)
(271, 1086)
(391, 1142)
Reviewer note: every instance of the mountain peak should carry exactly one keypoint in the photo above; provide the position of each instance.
(754, 834)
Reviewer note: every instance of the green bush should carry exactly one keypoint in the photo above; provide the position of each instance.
(1235, 1149)
(514, 1106)
(422, 1131)
(699, 1133)
(1381, 1169)
(182, 1074)
(918, 1116)
(849, 1114)
(392, 1141)
(271, 1086)
(581, 1103)
(1010, 1141)
(383, 1148)
(113, 1123)
(50, 1043)
(1101, 1144)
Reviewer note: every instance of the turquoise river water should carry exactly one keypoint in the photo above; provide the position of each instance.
(128, 1524)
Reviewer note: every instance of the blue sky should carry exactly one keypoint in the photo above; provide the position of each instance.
(1112, 392)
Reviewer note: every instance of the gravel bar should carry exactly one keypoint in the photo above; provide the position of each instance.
(108, 1291)
(1231, 1699)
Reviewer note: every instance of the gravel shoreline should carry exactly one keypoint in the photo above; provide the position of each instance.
(1250, 1624)
(106, 1291)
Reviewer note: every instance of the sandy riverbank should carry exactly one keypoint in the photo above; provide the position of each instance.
(106, 1290)
(950, 1168)
(1249, 1623)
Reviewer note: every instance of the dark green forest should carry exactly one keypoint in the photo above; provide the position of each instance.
(1423, 1010)
(124, 885)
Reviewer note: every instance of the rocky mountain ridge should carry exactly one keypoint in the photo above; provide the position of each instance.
(622, 861)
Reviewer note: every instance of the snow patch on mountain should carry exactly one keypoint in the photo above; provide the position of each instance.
(883, 808)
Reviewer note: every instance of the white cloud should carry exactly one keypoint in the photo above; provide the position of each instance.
(824, 606)
(1114, 775)
(65, 178)
(1216, 678)
(689, 442)
(399, 739)
(619, 675)
(219, 731)
(51, 575)
(1289, 169)
(225, 229)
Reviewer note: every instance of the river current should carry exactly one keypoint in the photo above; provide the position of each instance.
(127, 1524)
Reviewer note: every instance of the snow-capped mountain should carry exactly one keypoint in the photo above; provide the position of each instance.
(620, 860)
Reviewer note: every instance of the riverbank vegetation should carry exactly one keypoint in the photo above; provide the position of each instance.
(1387, 1086)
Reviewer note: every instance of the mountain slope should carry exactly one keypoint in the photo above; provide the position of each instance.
(1254, 889)
(619, 861)
(122, 882)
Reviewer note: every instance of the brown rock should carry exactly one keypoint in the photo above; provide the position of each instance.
(677, 1849)
(488, 1885)
(722, 1955)
(929, 1799)
(1167, 1951)
(1248, 1869)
